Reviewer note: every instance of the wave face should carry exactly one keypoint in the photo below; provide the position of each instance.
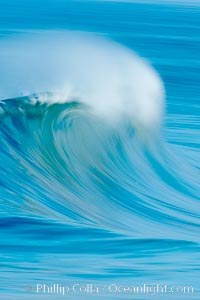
(98, 186)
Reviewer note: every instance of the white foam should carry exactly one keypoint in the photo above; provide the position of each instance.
(110, 78)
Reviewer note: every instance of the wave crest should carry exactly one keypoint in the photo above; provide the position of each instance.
(111, 79)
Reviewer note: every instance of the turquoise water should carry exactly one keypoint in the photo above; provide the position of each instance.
(100, 186)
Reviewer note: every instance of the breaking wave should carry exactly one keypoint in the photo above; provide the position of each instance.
(84, 159)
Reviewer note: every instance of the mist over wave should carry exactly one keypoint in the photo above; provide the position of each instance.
(108, 77)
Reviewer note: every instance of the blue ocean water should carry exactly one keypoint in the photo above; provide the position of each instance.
(85, 199)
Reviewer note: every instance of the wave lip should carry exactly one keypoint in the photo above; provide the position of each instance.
(111, 79)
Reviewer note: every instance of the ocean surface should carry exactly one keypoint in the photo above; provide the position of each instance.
(99, 150)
